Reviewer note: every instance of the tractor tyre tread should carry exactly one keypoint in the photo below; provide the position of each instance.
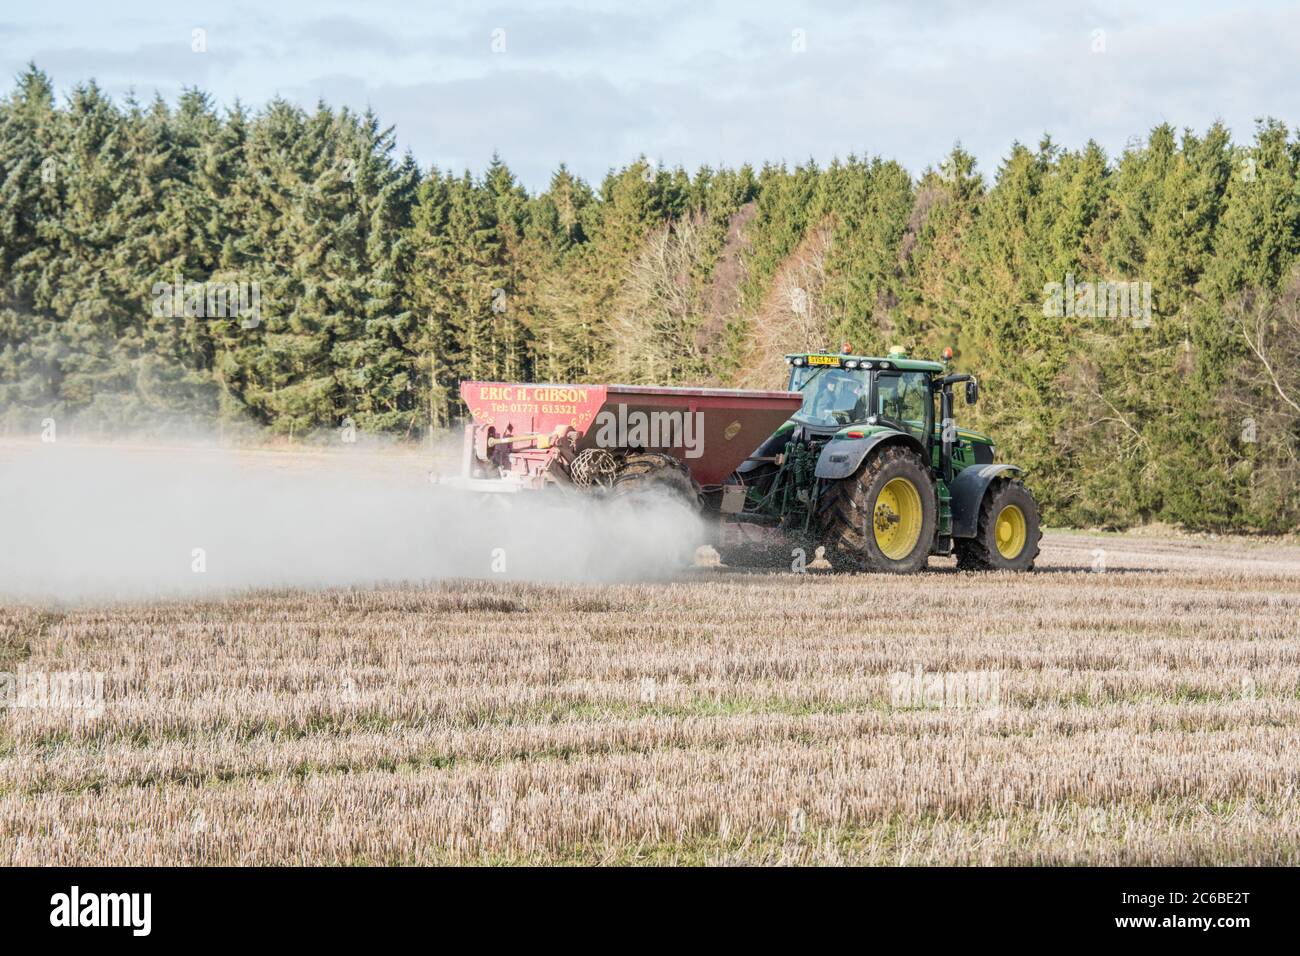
(979, 553)
(844, 516)
(647, 471)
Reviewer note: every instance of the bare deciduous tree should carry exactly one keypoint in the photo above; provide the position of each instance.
(794, 315)
(661, 308)
(1270, 327)
(1265, 394)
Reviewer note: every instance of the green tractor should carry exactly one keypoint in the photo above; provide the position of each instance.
(873, 468)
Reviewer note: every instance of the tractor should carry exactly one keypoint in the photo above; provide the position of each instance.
(859, 456)
(873, 467)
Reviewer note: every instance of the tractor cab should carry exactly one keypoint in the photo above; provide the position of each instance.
(842, 390)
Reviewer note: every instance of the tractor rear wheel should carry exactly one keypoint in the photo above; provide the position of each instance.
(1008, 533)
(883, 517)
(651, 473)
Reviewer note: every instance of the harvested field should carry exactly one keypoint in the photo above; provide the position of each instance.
(1144, 713)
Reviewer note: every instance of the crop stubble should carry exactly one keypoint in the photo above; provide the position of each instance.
(1144, 714)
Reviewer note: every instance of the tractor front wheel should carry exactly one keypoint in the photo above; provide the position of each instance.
(1008, 533)
(882, 518)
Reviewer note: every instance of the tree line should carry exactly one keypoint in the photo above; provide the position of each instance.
(1134, 320)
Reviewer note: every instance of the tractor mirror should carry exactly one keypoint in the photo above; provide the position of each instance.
(972, 392)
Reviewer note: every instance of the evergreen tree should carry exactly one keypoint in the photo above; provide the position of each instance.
(381, 289)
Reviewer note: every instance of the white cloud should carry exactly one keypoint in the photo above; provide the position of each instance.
(593, 84)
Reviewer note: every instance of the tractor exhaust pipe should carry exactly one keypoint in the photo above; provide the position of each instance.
(947, 431)
(948, 434)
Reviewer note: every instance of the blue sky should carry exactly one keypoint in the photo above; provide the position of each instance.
(596, 84)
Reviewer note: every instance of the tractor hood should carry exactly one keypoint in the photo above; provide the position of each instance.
(864, 430)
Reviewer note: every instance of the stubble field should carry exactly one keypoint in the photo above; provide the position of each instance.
(1136, 701)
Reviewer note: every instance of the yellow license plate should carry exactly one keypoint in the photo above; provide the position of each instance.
(823, 360)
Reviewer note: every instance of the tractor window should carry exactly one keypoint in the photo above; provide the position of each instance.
(832, 396)
(903, 398)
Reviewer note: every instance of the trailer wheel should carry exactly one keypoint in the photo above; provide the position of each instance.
(644, 473)
(1008, 533)
(882, 518)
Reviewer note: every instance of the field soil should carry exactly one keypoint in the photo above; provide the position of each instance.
(1134, 701)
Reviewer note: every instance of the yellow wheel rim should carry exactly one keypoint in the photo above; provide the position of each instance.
(896, 519)
(1010, 531)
